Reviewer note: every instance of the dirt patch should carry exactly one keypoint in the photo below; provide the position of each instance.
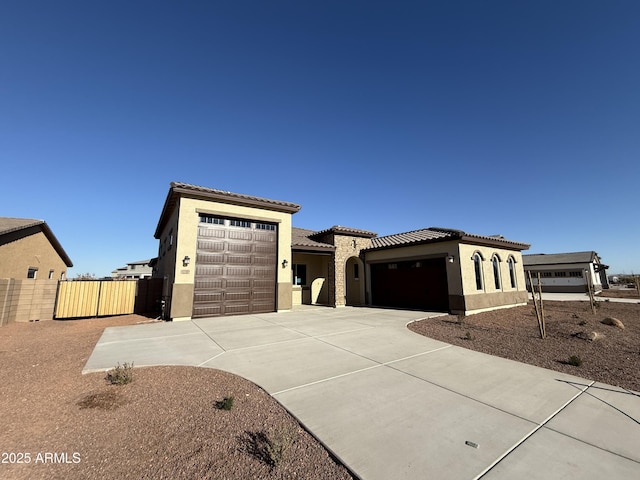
(164, 424)
(607, 354)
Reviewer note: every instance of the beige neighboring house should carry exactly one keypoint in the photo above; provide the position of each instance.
(223, 253)
(30, 250)
(567, 272)
(134, 270)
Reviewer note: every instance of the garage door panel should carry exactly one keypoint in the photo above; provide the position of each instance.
(265, 237)
(209, 258)
(238, 259)
(209, 297)
(238, 283)
(240, 235)
(231, 309)
(239, 247)
(209, 271)
(265, 249)
(208, 232)
(207, 310)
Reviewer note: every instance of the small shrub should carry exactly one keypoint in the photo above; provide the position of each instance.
(582, 322)
(461, 317)
(121, 374)
(574, 360)
(468, 336)
(225, 404)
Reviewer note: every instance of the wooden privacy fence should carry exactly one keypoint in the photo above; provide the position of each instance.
(96, 298)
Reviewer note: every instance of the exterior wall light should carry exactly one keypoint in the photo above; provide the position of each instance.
(185, 261)
(451, 258)
(285, 263)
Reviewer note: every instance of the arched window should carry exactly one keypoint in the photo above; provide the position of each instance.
(477, 265)
(512, 271)
(495, 262)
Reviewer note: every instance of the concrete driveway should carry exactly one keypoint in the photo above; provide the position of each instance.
(392, 404)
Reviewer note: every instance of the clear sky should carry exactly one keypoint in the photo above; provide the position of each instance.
(519, 118)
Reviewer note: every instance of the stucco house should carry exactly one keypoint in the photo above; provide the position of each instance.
(567, 272)
(134, 270)
(30, 250)
(223, 253)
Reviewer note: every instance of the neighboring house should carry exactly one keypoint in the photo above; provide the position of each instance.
(30, 250)
(567, 272)
(222, 253)
(134, 270)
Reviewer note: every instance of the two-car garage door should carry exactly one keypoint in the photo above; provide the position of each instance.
(235, 267)
(420, 284)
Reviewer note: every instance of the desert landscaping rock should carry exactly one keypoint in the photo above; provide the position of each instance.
(614, 322)
(590, 336)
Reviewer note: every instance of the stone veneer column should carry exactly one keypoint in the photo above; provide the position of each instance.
(347, 246)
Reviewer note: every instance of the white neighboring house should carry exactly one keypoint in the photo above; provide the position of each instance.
(566, 272)
(134, 270)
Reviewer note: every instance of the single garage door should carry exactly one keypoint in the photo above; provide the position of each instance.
(235, 267)
(418, 284)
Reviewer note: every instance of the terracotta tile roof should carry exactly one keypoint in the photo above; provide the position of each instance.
(212, 192)
(340, 230)
(423, 235)
(300, 240)
(437, 234)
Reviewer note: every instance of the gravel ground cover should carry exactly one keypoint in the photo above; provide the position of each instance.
(613, 357)
(165, 424)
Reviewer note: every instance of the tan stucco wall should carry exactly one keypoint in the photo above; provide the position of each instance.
(185, 219)
(489, 297)
(32, 251)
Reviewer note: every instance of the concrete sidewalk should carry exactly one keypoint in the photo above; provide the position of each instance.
(582, 297)
(393, 404)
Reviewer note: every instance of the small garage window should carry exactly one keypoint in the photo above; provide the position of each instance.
(32, 272)
(240, 223)
(265, 226)
(211, 219)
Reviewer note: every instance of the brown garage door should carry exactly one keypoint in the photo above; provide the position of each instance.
(235, 267)
(419, 284)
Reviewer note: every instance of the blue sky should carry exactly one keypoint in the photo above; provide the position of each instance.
(493, 117)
